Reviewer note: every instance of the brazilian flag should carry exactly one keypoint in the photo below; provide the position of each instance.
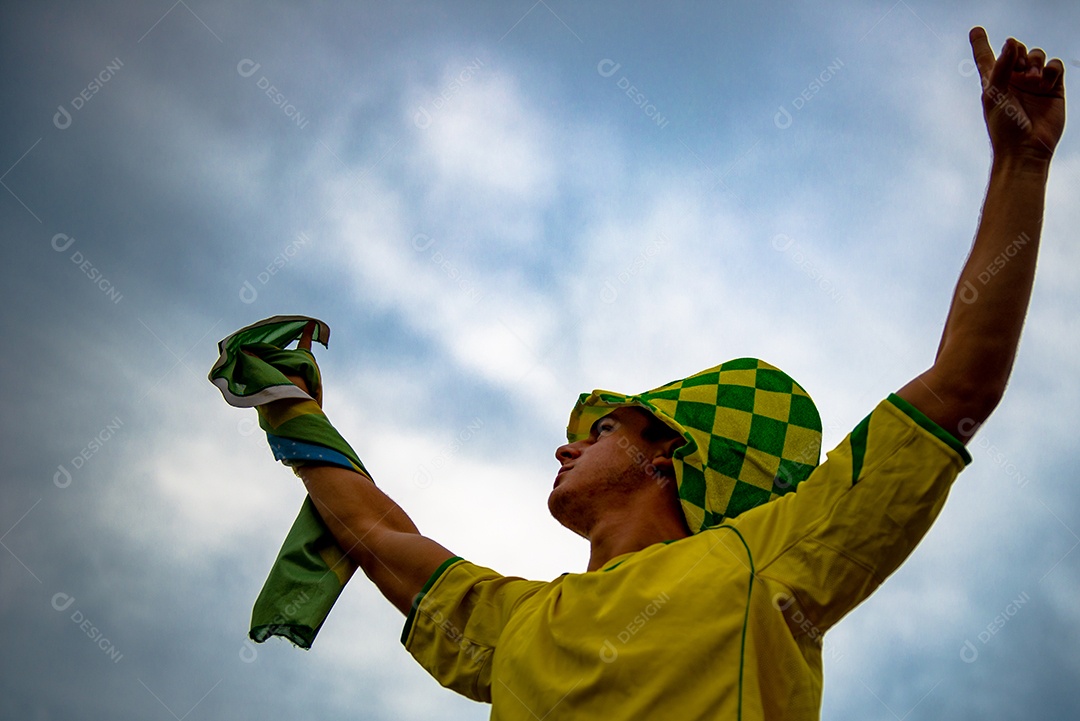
(311, 569)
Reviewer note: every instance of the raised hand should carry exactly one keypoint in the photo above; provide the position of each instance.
(305, 344)
(1023, 96)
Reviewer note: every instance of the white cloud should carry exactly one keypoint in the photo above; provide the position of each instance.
(483, 137)
(498, 331)
(202, 484)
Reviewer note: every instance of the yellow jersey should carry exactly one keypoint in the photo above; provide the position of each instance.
(725, 624)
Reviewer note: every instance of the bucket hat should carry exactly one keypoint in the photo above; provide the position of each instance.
(751, 433)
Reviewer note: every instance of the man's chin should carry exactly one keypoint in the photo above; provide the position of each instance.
(554, 505)
(561, 509)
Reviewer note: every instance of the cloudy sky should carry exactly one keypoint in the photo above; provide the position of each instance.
(495, 206)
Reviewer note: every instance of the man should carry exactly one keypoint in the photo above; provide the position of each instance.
(709, 585)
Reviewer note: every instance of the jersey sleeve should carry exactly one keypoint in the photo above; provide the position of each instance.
(456, 621)
(858, 516)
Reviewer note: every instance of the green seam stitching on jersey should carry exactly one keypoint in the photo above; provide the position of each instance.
(746, 615)
(612, 568)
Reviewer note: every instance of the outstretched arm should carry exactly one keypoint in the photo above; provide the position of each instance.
(375, 532)
(1024, 106)
(369, 526)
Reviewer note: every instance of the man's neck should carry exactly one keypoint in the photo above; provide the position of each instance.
(621, 532)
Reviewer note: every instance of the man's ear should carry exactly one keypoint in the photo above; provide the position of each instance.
(664, 467)
(672, 445)
(669, 446)
(662, 460)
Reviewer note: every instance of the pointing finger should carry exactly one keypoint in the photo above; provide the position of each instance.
(982, 52)
(305, 338)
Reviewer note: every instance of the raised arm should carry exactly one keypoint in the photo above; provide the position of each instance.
(370, 527)
(374, 531)
(1024, 107)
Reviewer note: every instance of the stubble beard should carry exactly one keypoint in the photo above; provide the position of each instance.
(580, 510)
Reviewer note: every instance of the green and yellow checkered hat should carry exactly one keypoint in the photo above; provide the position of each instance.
(752, 435)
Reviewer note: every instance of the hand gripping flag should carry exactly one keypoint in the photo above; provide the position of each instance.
(311, 569)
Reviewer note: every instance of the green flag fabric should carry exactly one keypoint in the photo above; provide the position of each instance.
(311, 569)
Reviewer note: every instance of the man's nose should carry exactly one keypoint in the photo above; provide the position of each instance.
(567, 452)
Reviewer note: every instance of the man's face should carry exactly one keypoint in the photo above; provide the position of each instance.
(606, 470)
